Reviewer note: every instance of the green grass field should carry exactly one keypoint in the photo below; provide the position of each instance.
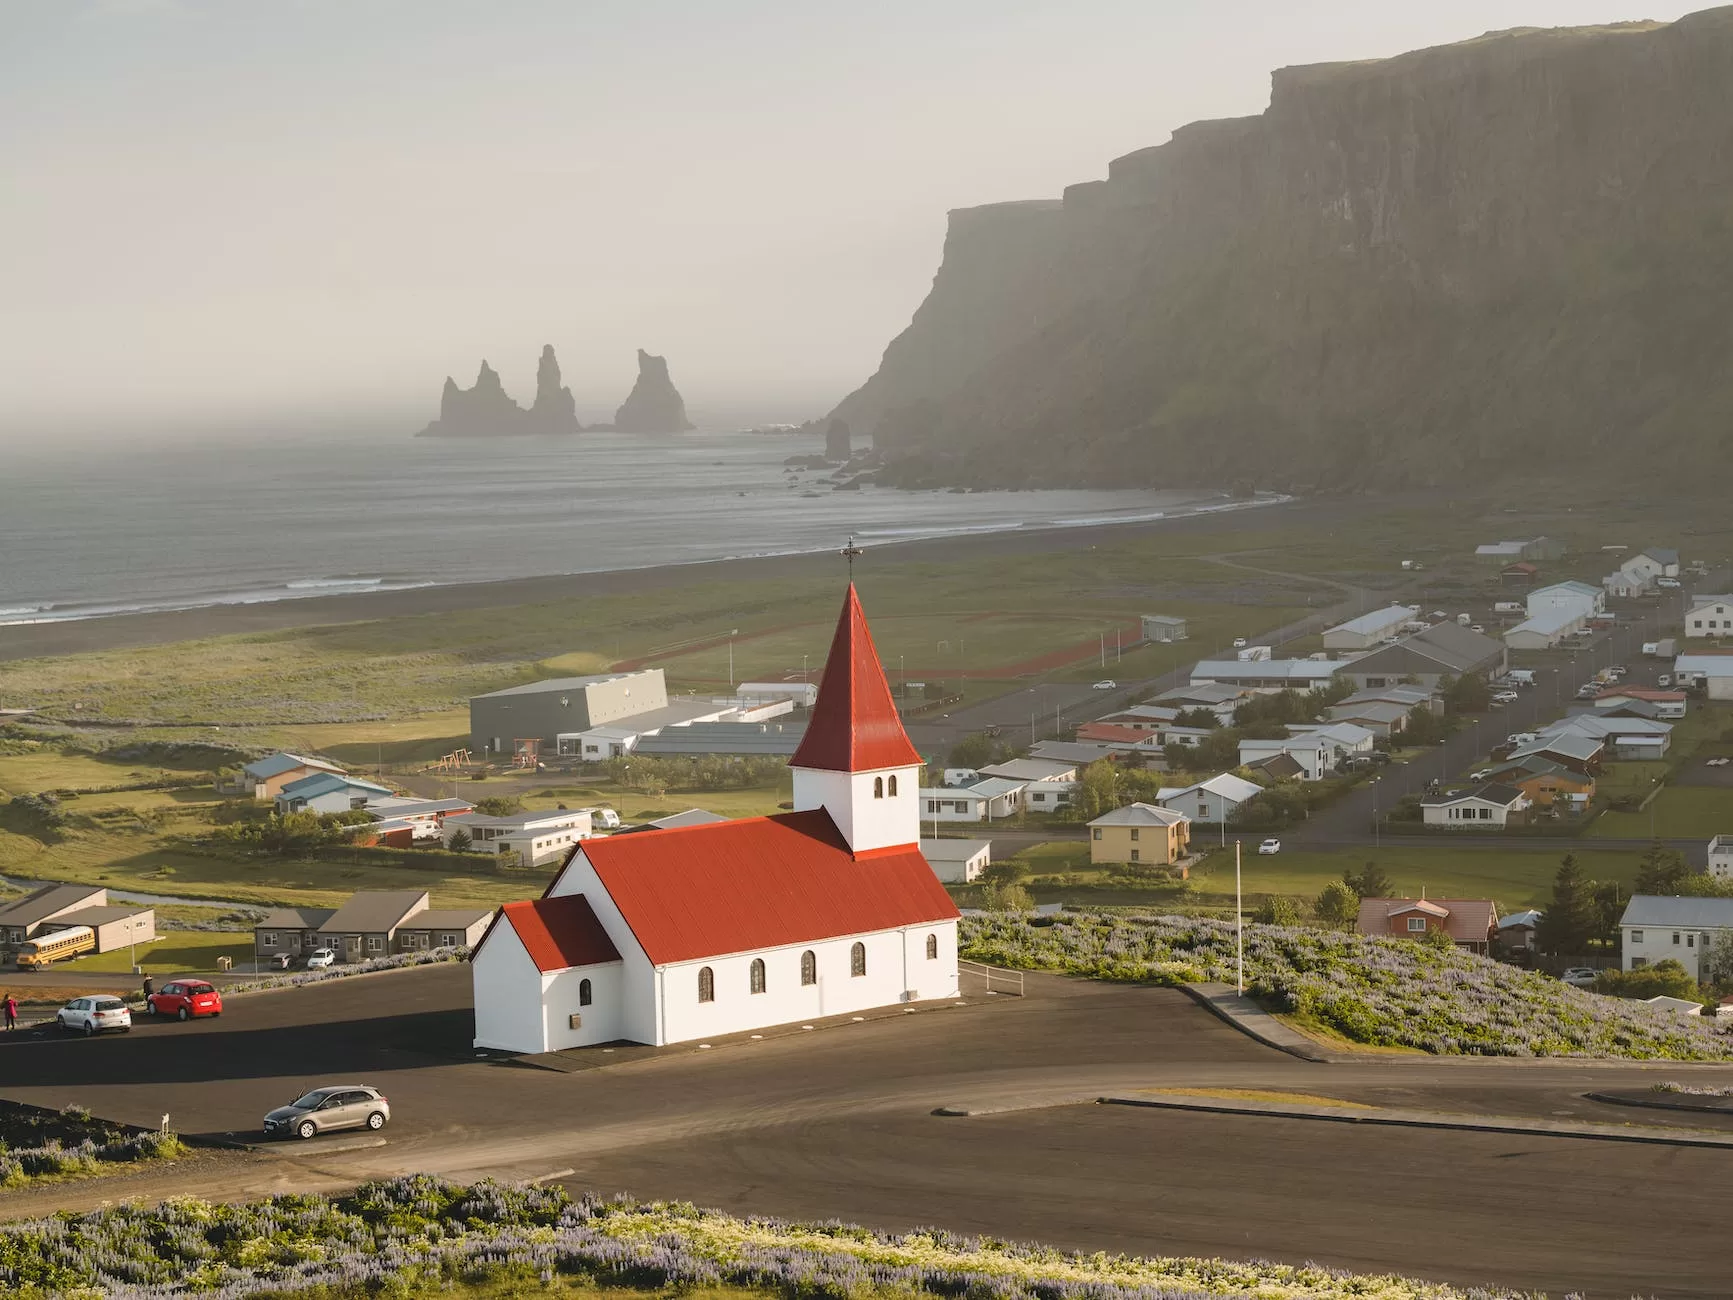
(1678, 812)
(179, 952)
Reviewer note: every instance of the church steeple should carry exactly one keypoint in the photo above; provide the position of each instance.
(854, 726)
(855, 760)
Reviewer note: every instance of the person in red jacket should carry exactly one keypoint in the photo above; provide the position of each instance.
(11, 1013)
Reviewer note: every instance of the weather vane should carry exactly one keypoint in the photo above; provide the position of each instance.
(848, 553)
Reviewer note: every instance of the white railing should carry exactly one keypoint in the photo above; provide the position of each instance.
(1010, 981)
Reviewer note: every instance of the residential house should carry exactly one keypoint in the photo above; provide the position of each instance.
(1067, 751)
(425, 817)
(1548, 785)
(1546, 629)
(1653, 562)
(1047, 796)
(1143, 717)
(1315, 755)
(1424, 659)
(1265, 674)
(367, 925)
(22, 918)
(1571, 750)
(993, 799)
(1666, 704)
(1499, 553)
(1116, 733)
(1214, 696)
(1380, 717)
(1408, 696)
(115, 926)
(1345, 738)
(1492, 807)
(1369, 629)
(1622, 735)
(1471, 922)
(1032, 769)
(1520, 574)
(1577, 596)
(1141, 833)
(537, 837)
(1216, 801)
(958, 862)
(443, 927)
(264, 778)
(1516, 932)
(1163, 627)
(326, 792)
(1721, 856)
(1713, 672)
(1277, 768)
(1710, 616)
(1656, 927)
(294, 930)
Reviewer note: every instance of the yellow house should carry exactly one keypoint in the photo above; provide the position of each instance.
(1139, 832)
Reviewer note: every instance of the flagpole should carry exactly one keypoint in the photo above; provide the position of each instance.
(1239, 923)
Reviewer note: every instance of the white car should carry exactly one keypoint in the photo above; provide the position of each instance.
(94, 1015)
(1480, 775)
(320, 959)
(1476, 627)
(1239, 643)
(1506, 696)
(1717, 762)
(1106, 686)
(1270, 846)
(1580, 977)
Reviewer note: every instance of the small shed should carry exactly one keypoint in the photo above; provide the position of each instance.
(1163, 627)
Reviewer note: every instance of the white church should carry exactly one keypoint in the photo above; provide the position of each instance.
(665, 936)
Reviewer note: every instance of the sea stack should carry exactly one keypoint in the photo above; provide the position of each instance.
(654, 405)
(837, 444)
(485, 411)
(554, 410)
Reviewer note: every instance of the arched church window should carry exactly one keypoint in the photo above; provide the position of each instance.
(857, 960)
(583, 993)
(757, 975)
(809, 967)
(932, 947)
(878, 787)
(706, 985)
(893, 787)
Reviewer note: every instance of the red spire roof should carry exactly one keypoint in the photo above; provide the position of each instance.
(854, 726)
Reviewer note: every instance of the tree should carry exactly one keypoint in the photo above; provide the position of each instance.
(1666, 978)
(499, 805)
(460, 841)
(1277, 909)
(1204, 718)
(1006, 898)
(1338, 905)
(1436, 936)
(975, 751)
(1661, 870)
(1571, 919)
(1371, 881)
(1097, 790)
(1717, 960)
(1610, 898)
(1467, 694)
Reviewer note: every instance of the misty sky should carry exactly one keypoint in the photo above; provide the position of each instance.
(231, 211)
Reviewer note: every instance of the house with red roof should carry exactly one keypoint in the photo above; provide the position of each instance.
(688, 932)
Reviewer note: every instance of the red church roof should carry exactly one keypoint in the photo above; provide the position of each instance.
(854, 726)
(557, 933)
(760, 882)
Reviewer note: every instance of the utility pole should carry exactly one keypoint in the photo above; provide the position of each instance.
(1239, 925)
(732, 633)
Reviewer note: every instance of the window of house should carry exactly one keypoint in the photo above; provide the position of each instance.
(1690, 941)
(1037, 798)
(375, 943)
(1675, 938)
(448, 941)
(1636, 936)
(878, 787)
(1134, 832)
(932, 947)
(1135, 854)
(932, 805)
(1486, 814)
(756, 976)
(1416, 923)
(1637, 963)
(1095, 832)
(583, 993)
(857, 960)
(893, 789)
(268, 939)
(809, 967)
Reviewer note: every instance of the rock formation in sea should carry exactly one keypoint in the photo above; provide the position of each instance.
(837, 444)
(1509, 255)
(554, 410)
(654, 404)
(485, 410)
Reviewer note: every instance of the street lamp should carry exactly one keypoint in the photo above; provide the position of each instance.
(1375, 833)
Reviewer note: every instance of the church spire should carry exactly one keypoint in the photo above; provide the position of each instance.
(854, 726)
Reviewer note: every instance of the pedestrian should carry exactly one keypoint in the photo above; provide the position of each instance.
(11, 1013)
(149, 988)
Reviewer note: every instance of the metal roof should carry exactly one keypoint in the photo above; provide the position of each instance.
(855, 726)
(311, 787)
(1549, 622)
(1140, 814)
(953, 850)
(1272, 670)
(375, 911)
(1662, 911)
(42, 903)
(565, 683)
(102, 915)
(1492, 792)
(1710, 665)
(760, 882)
(772, 738)
(557, 933)
(1032, 769)
(446, 918)
(282, 761)
(1376, 621)
(295, 918)
(1469, 920)
(1572, 744)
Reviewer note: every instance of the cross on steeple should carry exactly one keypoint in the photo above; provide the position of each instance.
(848, 553)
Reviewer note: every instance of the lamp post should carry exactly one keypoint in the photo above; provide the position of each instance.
(1239, 928)
(732, 633)
(1374, 784)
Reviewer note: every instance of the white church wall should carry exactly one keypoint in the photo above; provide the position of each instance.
(639, 1020)
(866, 822)
(508, 994)
(599, 1022)
(786, 999)
(931, 977)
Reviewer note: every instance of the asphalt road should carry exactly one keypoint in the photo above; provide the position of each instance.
(838, 1122)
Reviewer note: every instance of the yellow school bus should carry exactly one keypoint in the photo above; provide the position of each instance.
(60, 945)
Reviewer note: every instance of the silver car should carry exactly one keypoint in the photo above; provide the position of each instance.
(339, 1105)
(94, 1015)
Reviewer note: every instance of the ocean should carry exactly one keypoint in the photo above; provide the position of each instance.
(90, 532)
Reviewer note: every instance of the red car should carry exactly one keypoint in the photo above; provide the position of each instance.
(186, 999)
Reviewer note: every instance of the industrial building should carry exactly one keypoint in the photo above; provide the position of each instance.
(1163, 627)
(777, 739)
(1369, 629)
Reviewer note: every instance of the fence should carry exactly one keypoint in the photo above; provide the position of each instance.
(1010, 981)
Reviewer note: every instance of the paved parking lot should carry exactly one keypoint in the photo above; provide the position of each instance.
(839, 1123)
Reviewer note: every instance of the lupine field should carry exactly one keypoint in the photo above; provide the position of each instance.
(412, 1235)
(1384, 992)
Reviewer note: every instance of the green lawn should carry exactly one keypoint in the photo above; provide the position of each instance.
(1679, 812)
(175, 953)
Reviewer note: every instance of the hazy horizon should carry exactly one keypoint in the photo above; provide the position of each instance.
(265, 218)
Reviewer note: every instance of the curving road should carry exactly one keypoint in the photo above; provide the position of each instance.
(838, 1122)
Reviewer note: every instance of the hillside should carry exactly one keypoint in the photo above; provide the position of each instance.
(1514, 251)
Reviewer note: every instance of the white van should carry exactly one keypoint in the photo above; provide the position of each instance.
(1519, 677)
(1509, 607)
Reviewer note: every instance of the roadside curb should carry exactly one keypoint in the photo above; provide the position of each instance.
(1683, 1102)
(1253, 1021)
(1431, 1120)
